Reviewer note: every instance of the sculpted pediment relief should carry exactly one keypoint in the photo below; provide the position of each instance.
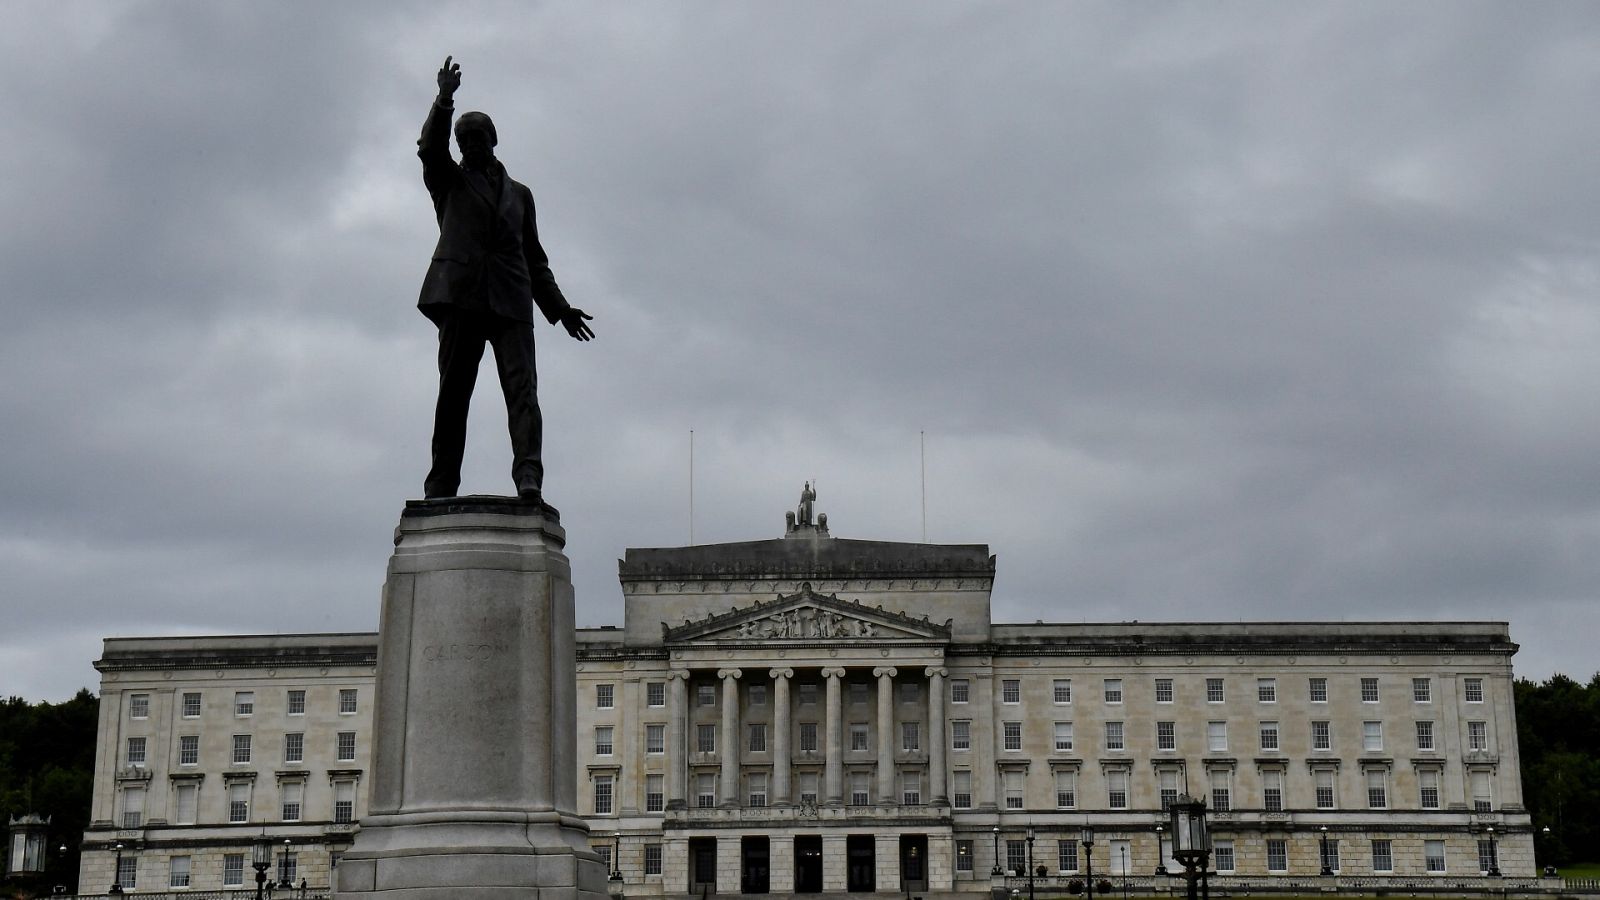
(807, 616)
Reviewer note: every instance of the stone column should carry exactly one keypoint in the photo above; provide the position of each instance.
(729, 750)
(781, 729)
(938, 789)
(780, 865)
(474, 749)
(833, 763)
(835, 861)
(885, 676)
(730, 864)
(677, 738)
(886, 865)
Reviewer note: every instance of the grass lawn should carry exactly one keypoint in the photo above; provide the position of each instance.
(1581, 870)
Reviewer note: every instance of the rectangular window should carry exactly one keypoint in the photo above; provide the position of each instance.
(655, 739)
(655, 693)
(1167, 779)
(705, 791)
(1114, 736)
(244, 703)
(960, 690)
(138, 706)
(344, 802)
(1113, 690)
(1221, 790)
(1214, 692)
(1269, 737)
(1010, 691)
(1326, 799)
(652, 859)
(1266, 690)
(1117, 789)
(604, 851)
(1433, 857)
(757, 782)
(1012, 735)
(1428, 788)
(347, 701)
(858, 736)
(1216, 737)
(136, 751)
(808, 737)
(602, 795)
(295, 703)
(909, 692)
(1482, 799)
(1486, 857)
(233, 870)
(346, 750)
(911, 788)
(605, 696)
(239, 801)
(178, 871)
(1272, 790)
(288, 867)
(1424, 735)
(808, 787)
(706, 738)
(294, 747)
(758, 695)
(858, 692)
(1063, 736)
(1066, 856)
(961, 792)
(602, 740)
(1066, 789)
(191, 706)
(1369, 690)
(1222, 853)
(1277, 855)
(1061, 690)
(910, 736)
(1017, 857)
(807, 691)
(1013, 786)
(1377, 789)
(128, 872)
(705, 695)
(187, 795)
(1317, 690)
(133, 807)
(1329, 851)
(654, 793)
(961, 735)
(293, 796)
(858, 789)
(963, 856)
(1477, 736)
(241, 749)
(1382, 856)
(1163, 690)
(1371, 736)
(1472, 689)
(1421, 690)
(758, 737)
(1321, 736)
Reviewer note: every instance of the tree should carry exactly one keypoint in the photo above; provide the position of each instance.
(1558, 734)
(47, 768)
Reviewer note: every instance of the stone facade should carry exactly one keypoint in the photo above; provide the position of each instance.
(812, 713)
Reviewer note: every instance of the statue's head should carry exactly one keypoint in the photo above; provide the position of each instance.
(476, 137)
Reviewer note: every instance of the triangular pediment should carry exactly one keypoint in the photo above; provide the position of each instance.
(807, 617)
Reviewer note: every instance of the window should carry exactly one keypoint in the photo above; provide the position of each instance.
(705, 695)
(344, 802)
(655, 739)
(1167, 786)
(808, 787)
(1163, 690)
(295, 703)
(1377, 789)
(288, 867)
(239, 801)
(136, 751)
(1369, 690)
(605, 696)
(808, 693)
(1217, 736)
(963, 856)
(1482, 799)
(758, 695)
(1117, 789)
(1269, 736)
(178, 871)
(858, 736)
(1433, 857)
(1477, 736)
(187, 795)
(652, 859)
(244, 703)
(654, 793)
(1010, 691)
(858, 789)
(294, 747)
(233, 870)
(1221, 789)
(602, 795)
(1066, 789)
(1382, 856)
(346, 751)
(1214, 690)
(1266, 690)
(1063, 735)
(1486, 857)
(1424, 735)
(1012, 735)
(758, 737)
(1421, 690)
(1272, 790)
(1113, 690)
(757, 782)
(1222, 853)
(1061, 690)
(1329, 851)
(858, 692)
(133, 807)
(705, 790)
(655, 693)
(808, 737)
(1472, 689)
(706, 738)
(1372, 736)
(1067, 855)
(961, 735)
(1277, 855)
(128, 872)
(241, 749)
(911, 788)
(961, 793)
(960, 690)
(1326, 798)
(191, 706)
(602, 740)
(604, 852)
(1017, 856)
(294, 793)
(138, 706)
(910, 736)
(909, 692)
(1113, 735)
(1321, 736)
(347, 701)
(1317, 690)
(1013, 787)
(1428, 788)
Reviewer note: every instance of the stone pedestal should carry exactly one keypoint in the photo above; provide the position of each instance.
(473, 782)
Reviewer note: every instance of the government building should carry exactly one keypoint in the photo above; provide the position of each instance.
(812, 714)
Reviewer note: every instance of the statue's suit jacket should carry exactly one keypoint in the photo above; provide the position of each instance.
(488, 258)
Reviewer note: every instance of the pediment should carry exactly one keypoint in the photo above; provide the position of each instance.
(806, 617)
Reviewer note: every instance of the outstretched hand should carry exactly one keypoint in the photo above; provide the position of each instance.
(449, 77)
(572, 320)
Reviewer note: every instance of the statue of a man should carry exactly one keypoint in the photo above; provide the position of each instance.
(808, 499)
(488, 271)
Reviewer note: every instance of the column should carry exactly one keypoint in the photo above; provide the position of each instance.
(885, 676)
(835, 858)
(730, 861)
(938, 790)
(781, 729)
(780, 865)
(729, 749)
(833, 763)
(677, 738)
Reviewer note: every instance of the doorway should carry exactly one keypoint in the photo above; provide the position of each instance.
(860, 873)
(703, 865)
(755, 862)
(913, 862)
(808, 864)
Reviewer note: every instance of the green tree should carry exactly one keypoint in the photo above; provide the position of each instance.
(47, 768)
(1558, 734)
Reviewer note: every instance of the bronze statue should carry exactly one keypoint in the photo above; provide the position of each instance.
(488, 270)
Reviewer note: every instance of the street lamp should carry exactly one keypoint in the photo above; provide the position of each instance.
(904, 881)
(616, 852)
(1494, 853)
(1191, 842)
(283, 868)
(116, 877)
(1326, 869)
(261, 861)
(997, 870)
(1161, 852)
(1087, 839)
(1124, 849)
(1030, 862)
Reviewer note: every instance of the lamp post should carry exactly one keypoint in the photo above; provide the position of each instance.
(283, 868)
(1161, 852)
(904, 881)
(1494, 853)
(116, 873)
(1191, 842)
(1087, 839)
(1323, 832)
(261, 861)
(997, 870)
(616, 853)
(1124, 850)
(1030, 862)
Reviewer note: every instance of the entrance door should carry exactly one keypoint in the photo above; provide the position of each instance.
(703, 865)
(860, 873)
(913, 862)
(808, 864)
(755, 861)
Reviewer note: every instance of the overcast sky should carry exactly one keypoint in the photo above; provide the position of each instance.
(1222, 311)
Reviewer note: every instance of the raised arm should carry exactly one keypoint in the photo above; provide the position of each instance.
(433, 148)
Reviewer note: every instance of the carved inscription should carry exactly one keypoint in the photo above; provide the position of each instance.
(470, 652)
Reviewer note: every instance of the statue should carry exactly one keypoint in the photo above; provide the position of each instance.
(808, 498)
(486, 268)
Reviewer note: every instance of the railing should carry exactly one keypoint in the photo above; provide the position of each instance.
(1236, 885)
(247, 893)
